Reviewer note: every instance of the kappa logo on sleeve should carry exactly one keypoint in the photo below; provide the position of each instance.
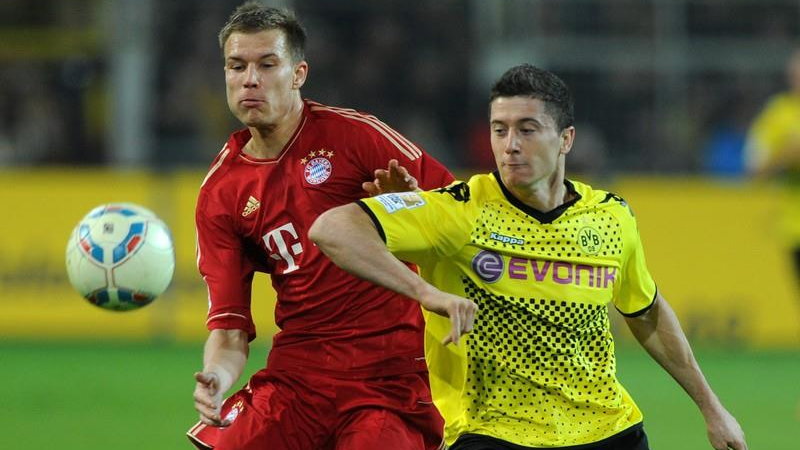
(403, 200)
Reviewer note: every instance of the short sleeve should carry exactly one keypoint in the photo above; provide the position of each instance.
(385, 143)
(225, 268)
(420, 227)
(637, 290)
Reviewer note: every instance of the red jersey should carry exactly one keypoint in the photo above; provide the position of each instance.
(254, 215)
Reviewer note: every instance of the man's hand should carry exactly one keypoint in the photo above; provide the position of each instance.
(461, 312)
(724, 431)
(208, 399)
(395, 178)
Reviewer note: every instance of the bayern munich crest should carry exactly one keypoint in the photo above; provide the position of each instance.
(318, 166)
(318, 170)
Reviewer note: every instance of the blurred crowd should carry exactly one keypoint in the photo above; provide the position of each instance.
(412, 64)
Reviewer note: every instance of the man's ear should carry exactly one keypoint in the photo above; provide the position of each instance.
(567, 139)
(300, 74)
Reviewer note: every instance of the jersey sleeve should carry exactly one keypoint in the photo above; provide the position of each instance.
(420, 227)
(637, 290)
(384, 143)
(225, 268)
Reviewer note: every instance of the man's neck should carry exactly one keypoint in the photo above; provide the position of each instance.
(545, 195)
(268, 142)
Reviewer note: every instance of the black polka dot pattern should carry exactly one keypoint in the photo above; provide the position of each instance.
(544, 362)
(559, 239)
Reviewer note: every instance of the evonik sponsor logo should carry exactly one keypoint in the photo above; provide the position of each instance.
(491, 266)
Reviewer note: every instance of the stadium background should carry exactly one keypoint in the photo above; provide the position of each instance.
(123, 100)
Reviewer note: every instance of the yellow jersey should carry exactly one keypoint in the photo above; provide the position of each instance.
(776, 129)
(538, 369)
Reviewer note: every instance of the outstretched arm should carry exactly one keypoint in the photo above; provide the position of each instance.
(349, 238)
(660, 333)
(224, 359)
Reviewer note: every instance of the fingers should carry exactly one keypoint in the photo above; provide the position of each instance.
(207, 406)
(462, 320)
(728, 437)
(371, 188)
(736, 444)
(207, 401)
(208, 415)
(400, 173)
(456, 329)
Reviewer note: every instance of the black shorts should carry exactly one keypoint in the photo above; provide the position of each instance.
(634, 438)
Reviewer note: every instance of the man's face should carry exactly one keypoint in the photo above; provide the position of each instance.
(526, 141)
(260, 77)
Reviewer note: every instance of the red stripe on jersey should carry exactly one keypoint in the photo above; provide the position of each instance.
(401, 143)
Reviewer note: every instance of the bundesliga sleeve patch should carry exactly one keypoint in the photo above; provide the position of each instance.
(402, 200)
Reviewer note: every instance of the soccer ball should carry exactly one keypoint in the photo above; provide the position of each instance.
(120, 256)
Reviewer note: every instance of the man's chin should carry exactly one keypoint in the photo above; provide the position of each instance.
(254, 121)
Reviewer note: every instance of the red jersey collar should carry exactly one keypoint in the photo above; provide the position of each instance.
(240, 138)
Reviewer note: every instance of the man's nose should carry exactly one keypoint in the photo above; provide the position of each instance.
(513, 142)
(251, 76)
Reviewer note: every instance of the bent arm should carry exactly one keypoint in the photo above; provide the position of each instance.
(348, 237)
(660, 333)
(224, 358)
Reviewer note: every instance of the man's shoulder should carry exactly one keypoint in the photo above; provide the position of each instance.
(600, 199)
(473, 191)
(223, 162)
(345, 119)
(780, 104)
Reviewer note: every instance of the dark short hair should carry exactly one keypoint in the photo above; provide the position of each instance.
(529, 81)
(252, 17)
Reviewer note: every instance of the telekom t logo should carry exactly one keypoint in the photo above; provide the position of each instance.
(276, 243)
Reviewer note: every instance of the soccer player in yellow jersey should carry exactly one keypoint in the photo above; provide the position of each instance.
(525, 262)
(773, 151)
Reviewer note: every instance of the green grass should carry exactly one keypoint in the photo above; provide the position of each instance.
(762, 390)
(138, 396)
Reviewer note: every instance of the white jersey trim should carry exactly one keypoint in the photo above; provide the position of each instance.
(219, 316)
(224, 154)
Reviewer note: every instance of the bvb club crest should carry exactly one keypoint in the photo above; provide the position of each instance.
(590, 241)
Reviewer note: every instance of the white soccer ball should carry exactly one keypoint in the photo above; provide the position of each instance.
(120, 256)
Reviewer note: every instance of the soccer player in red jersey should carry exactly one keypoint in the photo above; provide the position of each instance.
(347, 369)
